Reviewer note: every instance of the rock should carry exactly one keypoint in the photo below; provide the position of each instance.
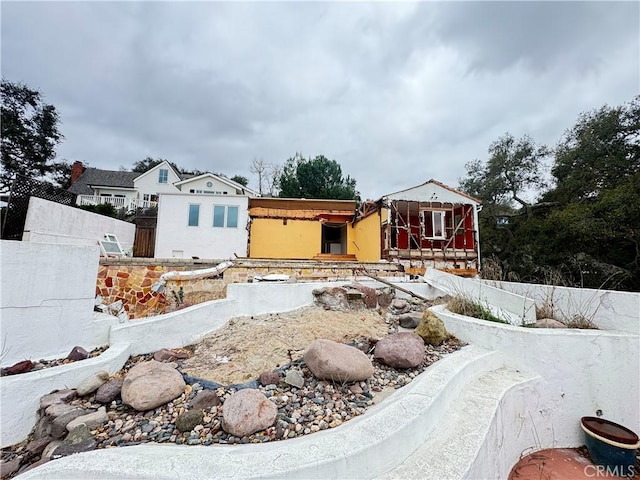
(269, 378)
(294, 378)
(49, 449)
(168, 355)
(246, 412)
(336, 361)
(356, 389)
(9, 468)
(400, 305)
(409, 320)
(400, 350)
(69, 449)
(204, 400)
(549, 323)
(92, 383)
(77, 353)
(36, 447)
(431, 329)
(78, 434)
(151, 384)
(109, 391)
(58, 396)
(188, 420)
(43, 427)
(332, 298)
(58, 409)
(369, 296)
(385, 296)
(42, 461)
(20, 367)
(91, 420)
(59, 425)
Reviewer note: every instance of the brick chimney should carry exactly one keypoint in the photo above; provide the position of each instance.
(76, 171)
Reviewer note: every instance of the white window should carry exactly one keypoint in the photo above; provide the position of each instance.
(194, 215)
(221, 212)
(163, 175)
(435, 220)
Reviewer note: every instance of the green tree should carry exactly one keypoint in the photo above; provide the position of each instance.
(244, 181)
(600, 152)
(315, 178)
(30, 133)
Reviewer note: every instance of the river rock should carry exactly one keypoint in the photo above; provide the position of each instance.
(409, 320)
(92, 383)
(248, 411)
(204, 400)
(36, 447)
(59, 396)
(336, 361)
(187, 421)
(294, 378)
(109, 391)
(59, 425)
(77, 353)
(400, 350)
(91, 420)
(431, 329)
(78, 434)
(58, 409)
(269, 378)
(79, 447)
(17, 368)
(549, 323)
(168, 355)
(400, 305)
(151, 384)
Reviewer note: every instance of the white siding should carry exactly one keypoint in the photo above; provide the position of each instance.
(201, 184)
(148, 182)
(174, 238)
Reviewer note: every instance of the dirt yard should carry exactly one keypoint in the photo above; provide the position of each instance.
(247, 346)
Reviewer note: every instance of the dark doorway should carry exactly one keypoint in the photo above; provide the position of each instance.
(334, 238)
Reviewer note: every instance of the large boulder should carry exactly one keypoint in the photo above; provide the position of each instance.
(338, 362)
(432, 329)
(400, 350)
(248, 411)
(151, 384)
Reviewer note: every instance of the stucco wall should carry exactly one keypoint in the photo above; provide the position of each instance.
(50, 222)
(364, 239)
(47, 299)
(298, 239)
(582, 371)
(610, 310)
(205, 240)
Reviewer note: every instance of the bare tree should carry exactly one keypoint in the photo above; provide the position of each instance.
(268, 176)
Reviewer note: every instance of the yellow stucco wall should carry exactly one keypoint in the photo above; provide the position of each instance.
(271, 238)
(364, 239)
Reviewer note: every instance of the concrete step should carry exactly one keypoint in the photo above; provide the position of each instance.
(455, 443)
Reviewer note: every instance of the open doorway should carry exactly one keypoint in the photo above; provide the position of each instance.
(334, 238)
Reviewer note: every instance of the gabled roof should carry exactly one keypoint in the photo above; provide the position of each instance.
(163, 164)
(227, 181)
(102, 178)
(439, 184)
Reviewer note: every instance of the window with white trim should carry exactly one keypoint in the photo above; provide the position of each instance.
(224, 212)
(194, 214)
(163, 175)
(436, 220)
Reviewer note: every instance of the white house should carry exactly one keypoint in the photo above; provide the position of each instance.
(133, 190)
(202, 225)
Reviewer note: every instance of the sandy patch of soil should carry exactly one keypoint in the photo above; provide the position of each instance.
(247, 346)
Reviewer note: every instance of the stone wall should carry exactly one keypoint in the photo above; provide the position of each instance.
(131, 279)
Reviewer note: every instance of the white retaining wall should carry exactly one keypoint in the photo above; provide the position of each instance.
(609, 309)
(514, 308)
(50, 222)
(583, 372)
(47, 299)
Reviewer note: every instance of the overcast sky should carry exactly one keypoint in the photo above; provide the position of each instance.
(396, 93)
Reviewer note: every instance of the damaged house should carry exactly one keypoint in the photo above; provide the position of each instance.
(431, 225)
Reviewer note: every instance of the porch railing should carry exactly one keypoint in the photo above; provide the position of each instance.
(117, 202)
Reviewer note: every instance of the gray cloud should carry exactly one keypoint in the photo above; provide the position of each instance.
(397, 93)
